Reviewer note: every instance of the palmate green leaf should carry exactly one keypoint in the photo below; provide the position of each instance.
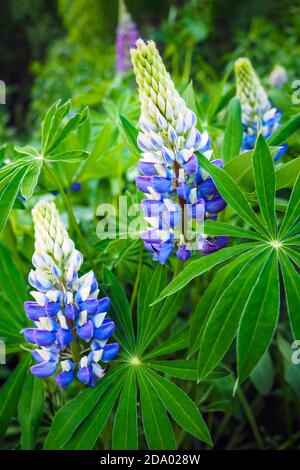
(158, 430)
(147, 314)
(185, 369)
(175, 343)
(259, 319)
(121, 308)
(223, 322)
(8, 196)
(168, 311)
(70, 156)
(57, 126)
(31, 410)
(213, 227)
(73, 413)
(182, 409)
(31, 178)
(86, 435)
(293, 211)
(125, 431)
(46, 124)
(232, 194)
(285, 131)
(233, 132)
(212, 294)
(292, 254)
(264, 177)
(291, 280)
(10, 393)
(130, 134)
(200, 266)
(241, 171)
(263, 374)
(287, 173)
(13, 287)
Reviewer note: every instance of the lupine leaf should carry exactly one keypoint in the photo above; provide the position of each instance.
(264, 177)
(259, 319)
(224, 320)
(200, 266)
(122, 314)
(182, 409)
(130, 134)
(174, 343)
(10, 393)
(157, 428)
(30, 410)
(30, 179)
(293, 255)
(285, 131)
(232, 194)
(185, 369)
(8, 196)
(148, 314)
(292, 291)
(263, 374)
(213, 227)
(125, 431)
(47, 123)
(233, 131)
(293, 210)
(287, 173)
(69, 156)
(167, 313)
(12, 285)
(72, 414)
(86, 435)
(212, 294)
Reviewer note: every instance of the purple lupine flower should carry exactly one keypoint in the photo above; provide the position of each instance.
(179, 194)
(127, 35)
(68, 318)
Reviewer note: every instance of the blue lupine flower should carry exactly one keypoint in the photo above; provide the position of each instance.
(179, 195)
(258, 114)
(68, 317)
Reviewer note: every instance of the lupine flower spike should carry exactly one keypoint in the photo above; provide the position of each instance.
(258, 114)
(178, 195)
(70, 328)
(127, 35)
(278, 77)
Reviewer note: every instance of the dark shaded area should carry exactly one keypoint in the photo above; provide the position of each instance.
(27, 28)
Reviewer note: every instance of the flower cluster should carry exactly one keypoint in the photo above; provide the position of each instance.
(179, 195)
(70, 328)
(127, 35)
(258, 114)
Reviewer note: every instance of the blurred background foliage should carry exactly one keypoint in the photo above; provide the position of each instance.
(65, 48)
